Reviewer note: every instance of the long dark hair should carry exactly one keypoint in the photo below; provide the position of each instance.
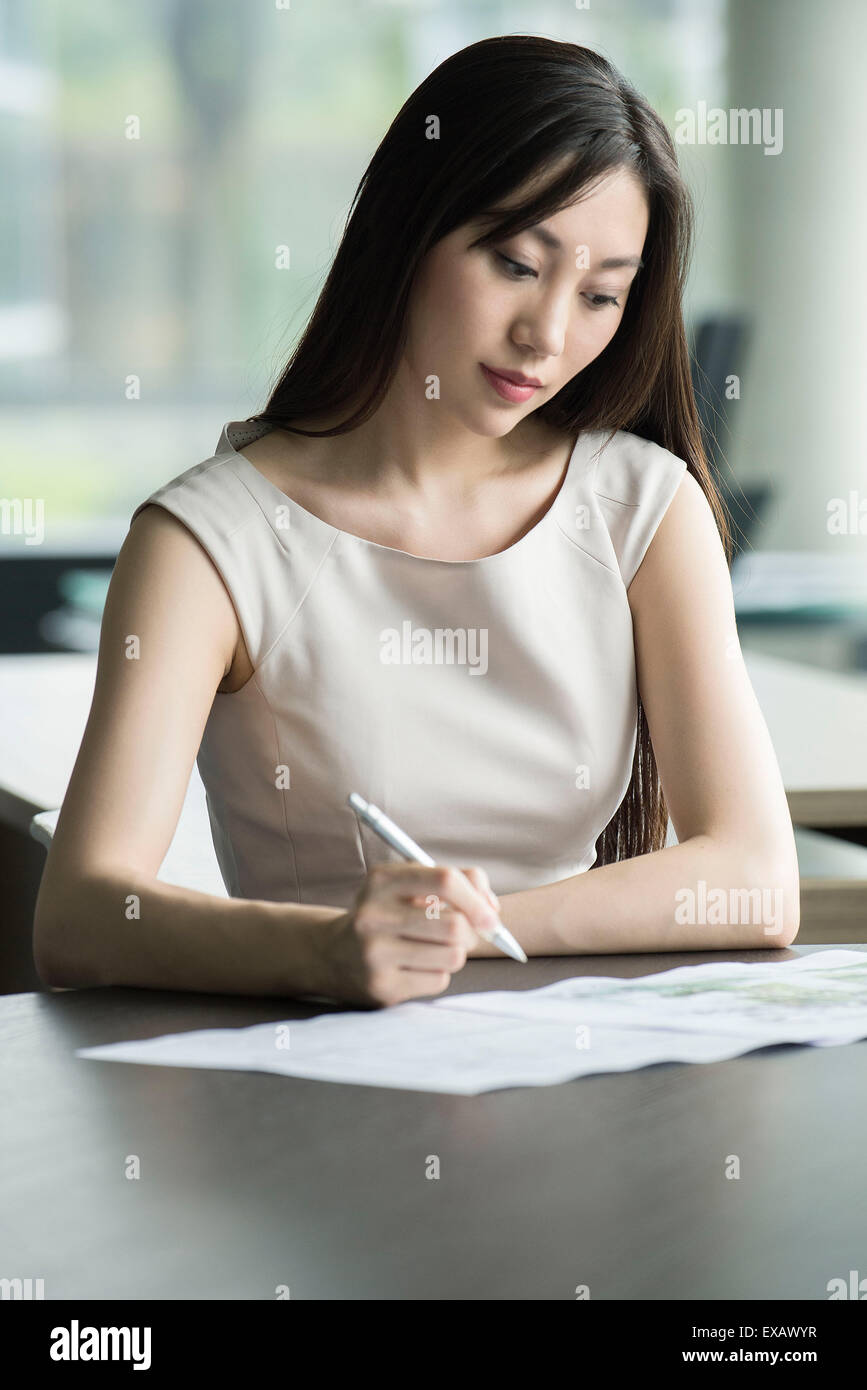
(502, 111)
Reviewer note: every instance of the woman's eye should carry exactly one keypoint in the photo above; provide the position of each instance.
(515, 270)
(603, 299)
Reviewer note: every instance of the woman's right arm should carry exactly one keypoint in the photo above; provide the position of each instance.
(103, 917)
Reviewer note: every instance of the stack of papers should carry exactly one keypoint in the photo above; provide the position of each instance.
(465, 1044)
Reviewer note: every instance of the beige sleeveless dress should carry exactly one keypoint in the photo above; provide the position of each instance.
(487, 706)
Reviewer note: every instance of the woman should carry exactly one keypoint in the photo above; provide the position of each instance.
(499, 608)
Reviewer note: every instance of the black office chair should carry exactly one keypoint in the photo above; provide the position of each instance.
(719, 350)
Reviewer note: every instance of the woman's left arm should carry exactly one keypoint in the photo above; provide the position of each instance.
(732, 880)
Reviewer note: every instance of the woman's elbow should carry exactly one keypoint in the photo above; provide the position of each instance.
(780, 896)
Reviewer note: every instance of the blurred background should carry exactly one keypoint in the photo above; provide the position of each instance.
(175, 177)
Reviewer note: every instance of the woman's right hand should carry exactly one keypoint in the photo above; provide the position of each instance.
(408, 932)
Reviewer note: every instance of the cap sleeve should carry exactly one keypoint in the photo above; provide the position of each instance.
(634, 483)
(213, 505)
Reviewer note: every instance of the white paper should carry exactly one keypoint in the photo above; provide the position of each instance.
(804, 1000)
(469, 1043)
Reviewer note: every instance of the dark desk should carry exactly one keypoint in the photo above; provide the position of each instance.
(249, 1181)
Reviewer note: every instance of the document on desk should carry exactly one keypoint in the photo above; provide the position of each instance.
(465, 1044)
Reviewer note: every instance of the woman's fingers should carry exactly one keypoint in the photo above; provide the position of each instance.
(480, 878)
(441, 887)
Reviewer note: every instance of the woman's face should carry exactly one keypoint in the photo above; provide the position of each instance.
(524, 307)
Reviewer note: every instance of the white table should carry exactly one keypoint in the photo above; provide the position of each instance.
(44, 704)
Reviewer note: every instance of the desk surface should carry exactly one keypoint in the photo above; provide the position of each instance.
(817, 721)
(249, 1181)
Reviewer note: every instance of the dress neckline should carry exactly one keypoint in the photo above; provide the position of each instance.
(247, 470)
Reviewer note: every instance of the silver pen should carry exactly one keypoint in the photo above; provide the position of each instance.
(399, 840)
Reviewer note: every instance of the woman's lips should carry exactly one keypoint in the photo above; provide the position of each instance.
(509, 390)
